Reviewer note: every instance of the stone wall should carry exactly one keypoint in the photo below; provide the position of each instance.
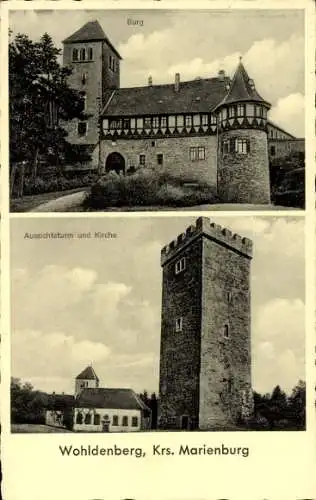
(225, 362)
(175, 151)
(244, 178)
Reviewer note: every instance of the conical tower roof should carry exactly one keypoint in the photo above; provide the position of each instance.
(242, 89)
(88, 374)
(90, 32)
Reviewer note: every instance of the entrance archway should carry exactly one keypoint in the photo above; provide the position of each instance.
(115, 161)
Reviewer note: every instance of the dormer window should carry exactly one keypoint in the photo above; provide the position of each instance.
(179, 265)
(75, 55)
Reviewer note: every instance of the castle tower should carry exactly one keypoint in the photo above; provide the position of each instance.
(243, 163)
(95, 65)
(86, 379)
(205, 354)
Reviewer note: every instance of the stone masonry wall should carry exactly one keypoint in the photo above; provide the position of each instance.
(244, 178)
(176, 155)
(225, 362)
(180, 351)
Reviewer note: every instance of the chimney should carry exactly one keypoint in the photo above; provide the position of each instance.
(221, 75)
(177, 82)
(150, 81)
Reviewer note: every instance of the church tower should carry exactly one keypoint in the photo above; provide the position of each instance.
(205, 353)
(243, 163)
(95, 65)
(86, 379)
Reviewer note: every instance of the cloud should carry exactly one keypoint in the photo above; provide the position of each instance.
(279, 333)
(289, 112)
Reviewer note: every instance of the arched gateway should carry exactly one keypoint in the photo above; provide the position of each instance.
(115, 161)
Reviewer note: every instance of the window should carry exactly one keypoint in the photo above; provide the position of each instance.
(229, 297)
(231, 112)
(126, 123)
(115, 124)
(87, 419)
(226, 331)
(224, 114)
(147, 123)
(160, 159)
(229, 386)
(115, 420)
(180, 121)
(90, 53)
(259, 111)
(97, 419)
(272, 150)
(84, 78)
(125, 421)
(82, 54)
(83, 385)
(79, 418)
(213, 120)
(225, 146)
(83, 98)
(204, 120)
(142, 160)
(180, 265)
(250, 109)
(163, 121)
(197, 153)
(240, 110)
(179, 325)
(112, 63)
(155, 122)
(75, 55)
(188, 121)
(82, 128)
(241, 146)
(134, 421)
(153, 144)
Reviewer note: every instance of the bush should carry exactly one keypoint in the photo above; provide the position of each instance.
(148, 187)
(52, 184)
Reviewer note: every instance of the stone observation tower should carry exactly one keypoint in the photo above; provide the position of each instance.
(205, 356)
(243, 162)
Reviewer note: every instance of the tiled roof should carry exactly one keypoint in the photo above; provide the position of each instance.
(196, 96)
(90, 32)
(119, 399)
(242, 88)
(88, 374)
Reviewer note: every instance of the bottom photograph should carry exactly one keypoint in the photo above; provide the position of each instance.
(148, 324)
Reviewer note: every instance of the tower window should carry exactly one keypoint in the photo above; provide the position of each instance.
(126, 123)
(90, 53)
(163, 121)
(83, 98)
(231, 112)
(84, 78)
(226, 331)
(82, 128)
(160, 159)
(155, 121)
(229, 297)
(240, 110)
(75, 55)
(112, 63)
(125, 421)
(142, 160)
(82, 54)
(147, 123)
(179, 324)
(204, 120)
(179, 265)
(197, 153)
(213, 120)
(241, 146)
(225, 146)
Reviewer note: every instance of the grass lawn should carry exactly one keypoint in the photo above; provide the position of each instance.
(27, 203)
(35, 428)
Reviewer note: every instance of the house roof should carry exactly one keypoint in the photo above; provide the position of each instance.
(196, 96)
(118, 399)
(90, 32)
(242, 88)
(60, 401)
(88, 374)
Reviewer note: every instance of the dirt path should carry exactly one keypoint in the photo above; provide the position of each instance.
(70, 203)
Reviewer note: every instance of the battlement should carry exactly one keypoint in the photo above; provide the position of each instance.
(204, 226)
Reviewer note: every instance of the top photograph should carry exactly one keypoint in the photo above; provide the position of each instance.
(156, 110)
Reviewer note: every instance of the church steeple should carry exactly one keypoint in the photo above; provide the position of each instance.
(87, 378)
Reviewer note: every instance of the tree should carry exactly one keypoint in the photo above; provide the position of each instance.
(27, 404)
(40, 102)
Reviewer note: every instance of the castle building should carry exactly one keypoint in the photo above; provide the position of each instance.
(205, 353)
(209, 129)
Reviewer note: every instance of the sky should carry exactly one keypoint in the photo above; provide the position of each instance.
(197, 44)
(98, 301)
